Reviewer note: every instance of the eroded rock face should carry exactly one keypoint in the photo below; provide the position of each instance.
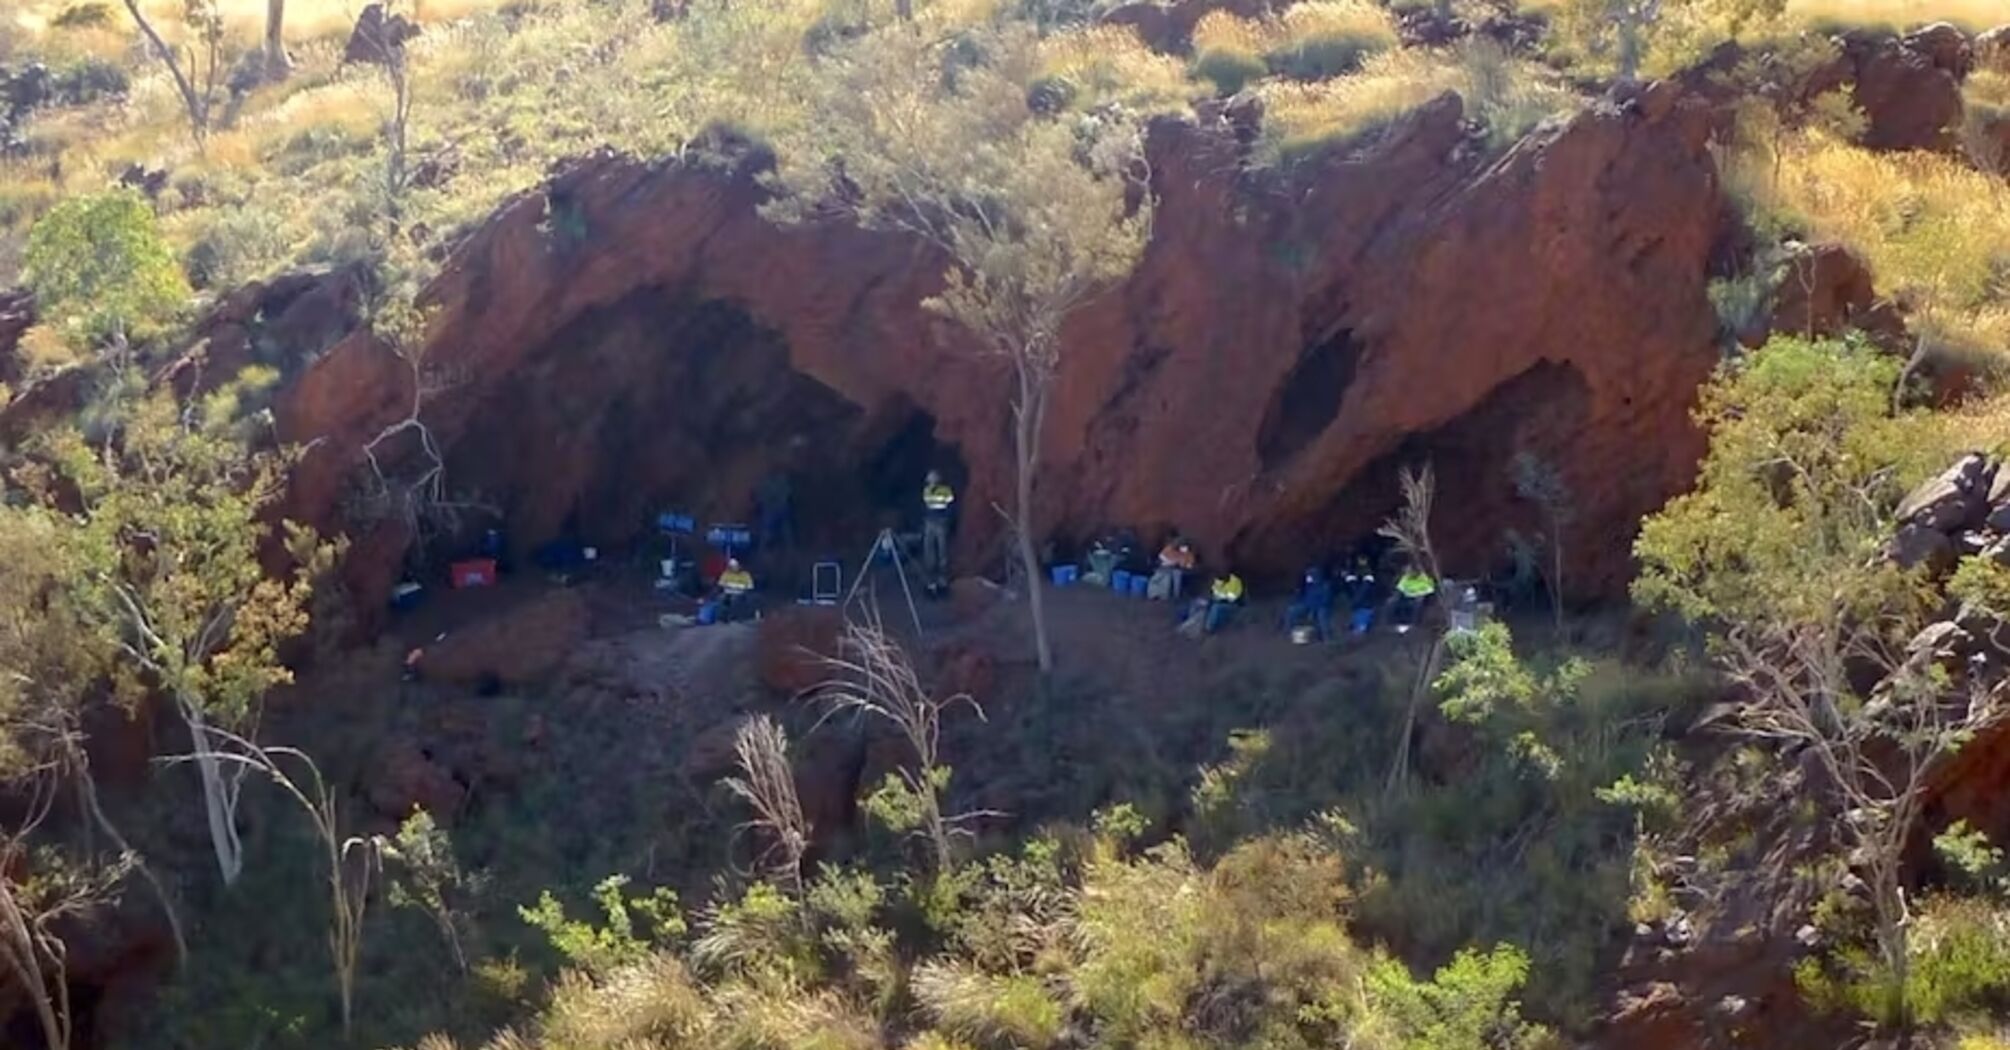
(1910, 88)
(637, 336)
(17, 314)
(1824, 291)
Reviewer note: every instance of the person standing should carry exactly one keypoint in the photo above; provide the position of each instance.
(938, 501)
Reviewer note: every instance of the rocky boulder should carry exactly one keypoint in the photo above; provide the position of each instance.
(377, 36)
(1991, 50)
(522, 643)
(793, 646)
(1825, 291)
(1956, 499)
(1909, 88)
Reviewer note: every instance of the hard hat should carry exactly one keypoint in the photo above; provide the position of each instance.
(732, 563)
(934, 476)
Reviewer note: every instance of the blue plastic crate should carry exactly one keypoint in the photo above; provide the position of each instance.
(1120, 581)
(730, 537)
(1065, 575)
(1140, 585)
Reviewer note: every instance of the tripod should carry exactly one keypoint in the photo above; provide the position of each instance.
(887, 542)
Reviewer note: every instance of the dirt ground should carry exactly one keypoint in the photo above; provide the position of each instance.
(635, 709)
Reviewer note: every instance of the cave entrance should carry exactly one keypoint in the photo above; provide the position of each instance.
(1309, 399)
(658, 401)
(1539, 411)
(899, 448)
(663, 401)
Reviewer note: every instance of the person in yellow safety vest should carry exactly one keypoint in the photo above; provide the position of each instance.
(1413, 588)
(735, 584)
(937, 498)
(1224, 599)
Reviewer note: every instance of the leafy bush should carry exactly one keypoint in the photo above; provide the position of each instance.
(1959, 969)
(1327, 38)
(1229, 71)
(100, 267)
(1748, 542)
(614, 943)
(1467, 1005)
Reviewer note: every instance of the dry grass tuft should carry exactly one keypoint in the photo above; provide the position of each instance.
(1935, 231)
(1511, 95)
(1972, 15)
(1109, 63)
(1221, 31)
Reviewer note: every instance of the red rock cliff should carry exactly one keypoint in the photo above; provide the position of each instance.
(636, 336)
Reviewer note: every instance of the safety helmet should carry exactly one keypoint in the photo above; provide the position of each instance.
(934, 476)
(732, 563)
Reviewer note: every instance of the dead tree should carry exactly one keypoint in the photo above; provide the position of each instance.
(1878, 756)
(198, 71)
(768, 785)
(352, 861)
(31, 954)
(1410, 528)
(874, 676)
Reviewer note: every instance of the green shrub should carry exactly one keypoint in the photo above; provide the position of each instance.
(1228, 71)
(100, 267)
(614, 943)
(1322, 57)
(1959, 962)
(1467, 1005)
(82, 16)
(238, 245)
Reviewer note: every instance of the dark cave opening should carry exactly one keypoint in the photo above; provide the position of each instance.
(661, 401)
(1309, 398)
(1540, 409)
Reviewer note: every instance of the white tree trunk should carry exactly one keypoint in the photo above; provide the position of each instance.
(24, 958)
(219, 799)
(277, 65)
(1026, 432)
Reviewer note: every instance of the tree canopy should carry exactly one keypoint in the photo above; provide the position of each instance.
(100, 268)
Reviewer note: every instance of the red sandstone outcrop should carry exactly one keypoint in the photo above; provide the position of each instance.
(1285, 346)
